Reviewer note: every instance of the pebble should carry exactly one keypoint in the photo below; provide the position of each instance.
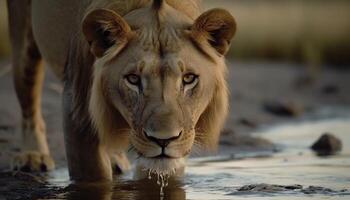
(283, 109)
(327, 144)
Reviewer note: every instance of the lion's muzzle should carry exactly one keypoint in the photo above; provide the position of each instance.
(162, 142)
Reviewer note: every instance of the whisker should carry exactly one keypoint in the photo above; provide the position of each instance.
(196, 149)
(131, 148)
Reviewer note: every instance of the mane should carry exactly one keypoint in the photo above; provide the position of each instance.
(81, 79)
(213, 118)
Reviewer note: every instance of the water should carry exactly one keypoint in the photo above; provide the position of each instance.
(221, 177)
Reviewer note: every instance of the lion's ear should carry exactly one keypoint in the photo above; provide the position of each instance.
(103, 29)
(217, 26)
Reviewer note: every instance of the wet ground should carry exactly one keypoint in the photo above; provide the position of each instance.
(264, 153)
(293, 173)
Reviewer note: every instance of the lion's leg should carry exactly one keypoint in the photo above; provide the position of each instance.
(120, 163)
(28, 77)
(88, 160)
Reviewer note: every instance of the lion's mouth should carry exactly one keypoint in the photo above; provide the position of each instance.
(161, 164)
(162, 156)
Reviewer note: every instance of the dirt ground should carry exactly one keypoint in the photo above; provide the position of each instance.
(262, 94)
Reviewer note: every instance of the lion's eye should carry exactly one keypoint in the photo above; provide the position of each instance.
(133, 79)
(189, 78)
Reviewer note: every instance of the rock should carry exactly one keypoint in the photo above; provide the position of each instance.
(246, 140)
(327, 144)
(247, 122)
(269, 188)
(5, 127)
(283, 109)
(227, 132)
(330, 89)
(319, 190)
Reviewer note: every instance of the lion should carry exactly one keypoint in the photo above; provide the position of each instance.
(141, 75)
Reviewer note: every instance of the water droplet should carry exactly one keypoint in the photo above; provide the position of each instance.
(161, 193)
(162, 178)
(149, 174)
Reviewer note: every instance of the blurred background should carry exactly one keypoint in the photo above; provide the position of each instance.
(309, 31)
(289, 61)
(304, 31)
(289, 82)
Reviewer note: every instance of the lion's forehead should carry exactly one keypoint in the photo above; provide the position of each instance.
(164, 42)
(161, 44)
(157, 66)
(161, 31)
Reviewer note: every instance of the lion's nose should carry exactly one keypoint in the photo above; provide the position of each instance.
(162, 142)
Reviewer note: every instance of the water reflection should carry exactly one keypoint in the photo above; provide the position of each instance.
(221, 177)
(128, 190)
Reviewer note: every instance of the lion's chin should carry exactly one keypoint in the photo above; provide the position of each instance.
(165, 166)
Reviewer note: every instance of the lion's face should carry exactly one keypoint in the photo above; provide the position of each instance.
(161, 98)
(160, 75)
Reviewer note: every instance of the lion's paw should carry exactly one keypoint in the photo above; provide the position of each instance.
(120, 163)
(32, 161)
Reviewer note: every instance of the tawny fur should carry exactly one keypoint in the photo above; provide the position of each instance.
(99, 121)
(210, 122)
